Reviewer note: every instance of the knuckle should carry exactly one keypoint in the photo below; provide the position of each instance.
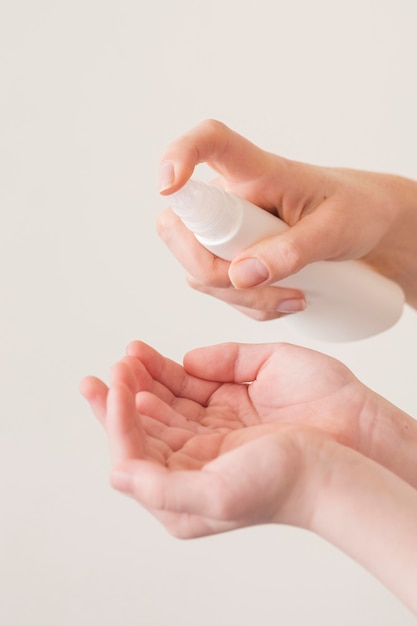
(194, 283)
(212, 126)
(208, 276)
(178, 531)
(163, 225)
(265, 316)
(290, 256)
(259, 315)
(224, 509)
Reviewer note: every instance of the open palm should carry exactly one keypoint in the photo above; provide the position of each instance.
(224, 395)
(233, 436)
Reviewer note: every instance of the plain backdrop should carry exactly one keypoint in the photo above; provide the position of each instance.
(91, 91)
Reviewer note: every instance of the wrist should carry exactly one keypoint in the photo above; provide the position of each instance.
(391, 438)
(369, 513)
(310, 462)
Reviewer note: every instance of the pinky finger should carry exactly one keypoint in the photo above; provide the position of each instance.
(95, 392)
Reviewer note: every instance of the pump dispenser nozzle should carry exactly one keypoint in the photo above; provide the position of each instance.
(202, 209)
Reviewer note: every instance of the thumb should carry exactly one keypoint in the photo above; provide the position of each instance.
(313, 238)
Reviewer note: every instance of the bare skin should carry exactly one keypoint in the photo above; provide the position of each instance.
(252, 434)
(334, 213)
(244, 434)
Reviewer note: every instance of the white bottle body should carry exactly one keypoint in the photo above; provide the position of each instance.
(346, 300)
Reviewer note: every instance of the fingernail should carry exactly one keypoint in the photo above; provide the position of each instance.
(166, 176)
(122, 481)
(248, 273)
(294, 305)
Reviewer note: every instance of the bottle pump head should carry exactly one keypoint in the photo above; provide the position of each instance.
(201, 207)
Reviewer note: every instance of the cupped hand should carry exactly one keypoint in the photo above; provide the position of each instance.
(236, 436)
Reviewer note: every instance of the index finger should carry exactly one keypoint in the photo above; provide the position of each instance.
(212, 142)
(205, 267)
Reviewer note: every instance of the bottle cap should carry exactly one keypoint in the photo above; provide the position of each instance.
(202, 209)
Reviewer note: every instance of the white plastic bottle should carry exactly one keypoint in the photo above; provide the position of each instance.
(346, 300)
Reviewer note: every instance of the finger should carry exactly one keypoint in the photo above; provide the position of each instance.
(124, 429)
(156, 449)
(172, 375)
(196, 260)
(143, 381)
(173, 438)
(230, 362)
(208, 273)
(191, 526)
(320, 236)
(153, 397)
(95, 392)
(138, 378)
(259, 316)
(122, 373)
(159, 489)
(184, 526)
(227, 489)
(214, 143)
(181, 414)
(268, 302)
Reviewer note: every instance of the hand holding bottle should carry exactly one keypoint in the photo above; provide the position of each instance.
(346, 300)
(333, 214)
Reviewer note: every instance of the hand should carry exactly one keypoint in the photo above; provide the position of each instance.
(242, 434)
(234, 438)
(333, 213)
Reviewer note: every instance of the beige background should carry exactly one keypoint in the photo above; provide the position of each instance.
(91, 92)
